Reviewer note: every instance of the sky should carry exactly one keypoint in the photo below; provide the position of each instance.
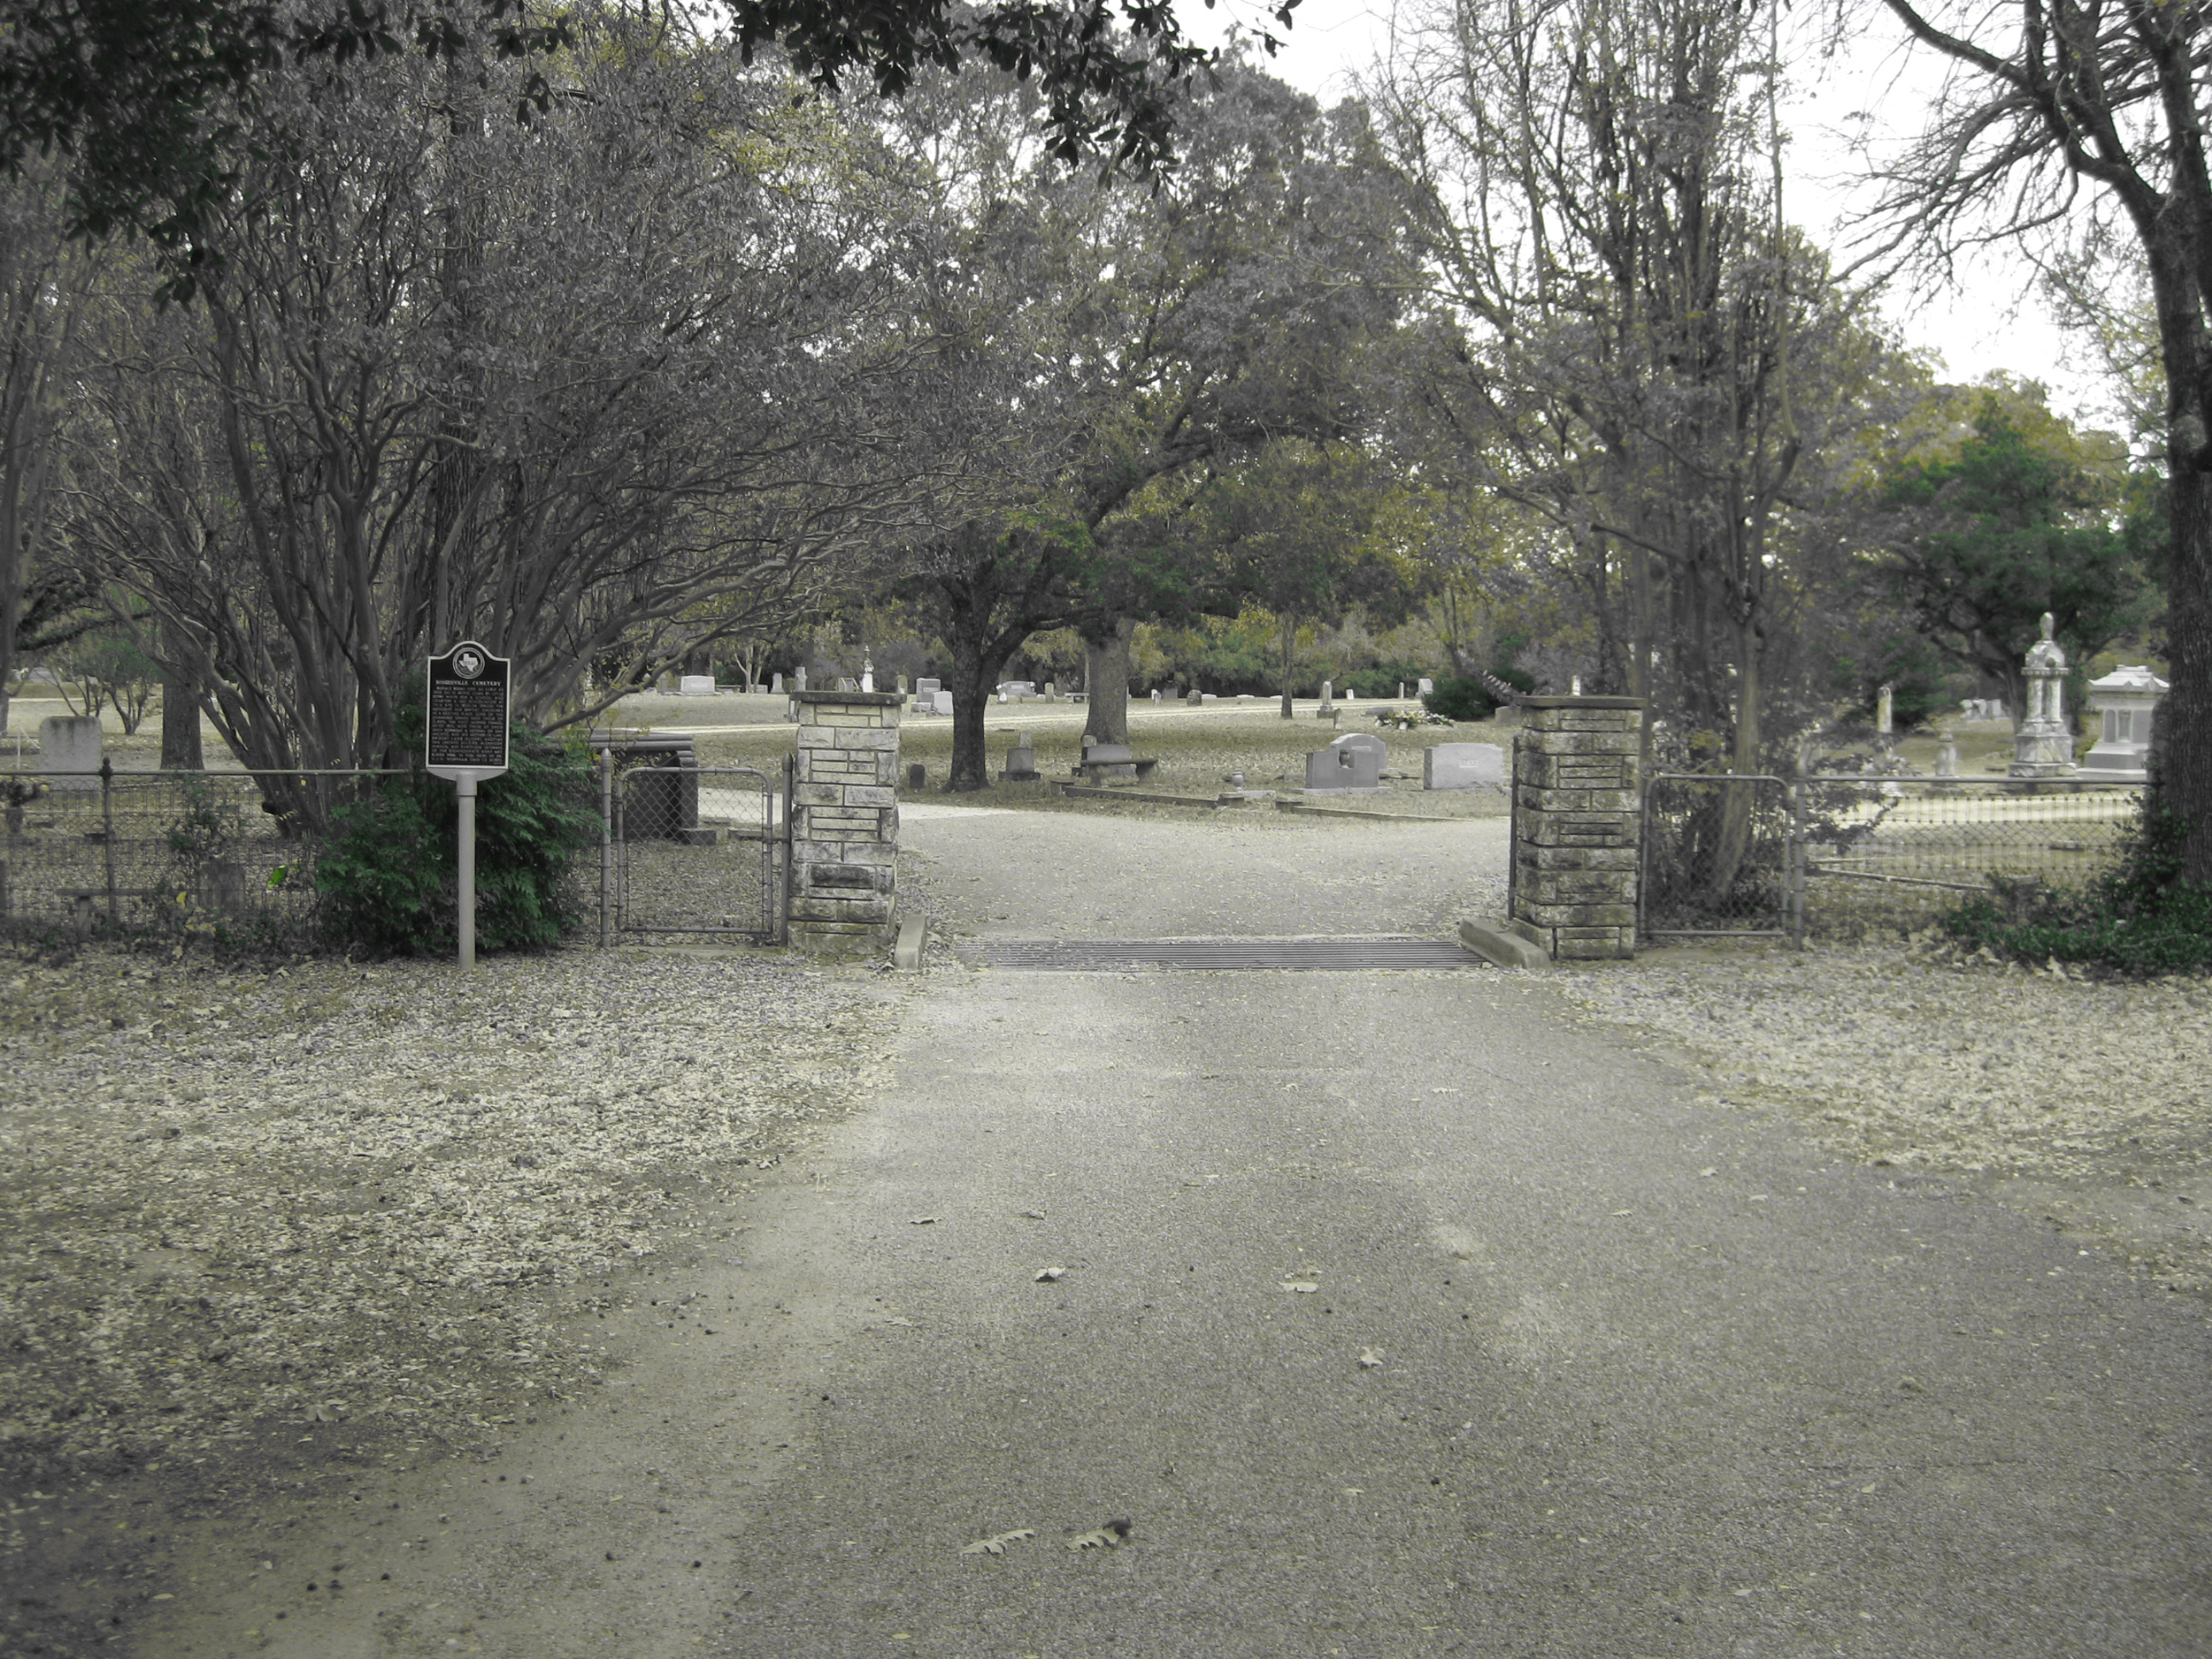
(1994, 322)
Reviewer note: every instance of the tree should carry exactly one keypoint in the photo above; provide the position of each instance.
(1310, 532)
(152, 101)
(45, 280)
(2046, 99)
(565, 388)
(2014, 524)
(1651, 360)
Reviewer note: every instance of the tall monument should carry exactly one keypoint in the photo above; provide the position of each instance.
(2042, 743)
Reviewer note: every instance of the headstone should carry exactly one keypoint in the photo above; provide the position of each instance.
(1328, 709)
(696, 685)
(776, 685)
(867, 675)
(1402, 690)
(2126, 701)
(71, 743)
(847, 684)
(1428, 687)
(1946, 754)
(944, 702)
(902, 685)
(2043, 746)
(1207, 696)
(1021, 760)
(1156, 694)
(1885, 708)
(1351, 694)
(799, 678)
(1576, 686)
(917, 775)
(1351, 765)
(1463, 766)
(1051, 692)
(923, 687)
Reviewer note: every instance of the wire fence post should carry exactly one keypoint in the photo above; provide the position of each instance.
(606, 845)
(1793, 863)
(107, 836)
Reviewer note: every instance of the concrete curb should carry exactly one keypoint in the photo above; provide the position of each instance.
(1495, 942)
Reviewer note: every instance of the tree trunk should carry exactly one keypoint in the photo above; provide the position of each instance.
(971, 697)
(1106, 673)
(1289, 640)
(2181, 735)
(1732, 841)
(180, 722)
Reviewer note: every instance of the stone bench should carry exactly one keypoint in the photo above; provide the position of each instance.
(1111, 760)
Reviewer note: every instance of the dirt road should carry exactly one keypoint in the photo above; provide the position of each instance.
(1393, 1314)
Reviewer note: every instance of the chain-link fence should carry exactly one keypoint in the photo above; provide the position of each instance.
(1835, 856)
(1719, 858)
(1883, 850)
(182, 854)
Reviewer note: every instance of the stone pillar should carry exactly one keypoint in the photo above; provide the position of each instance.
(2125, 702)
(1576, 820)
(844, 835)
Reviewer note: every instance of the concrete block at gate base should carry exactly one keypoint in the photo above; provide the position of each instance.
(70, 743)
(1497, 942)
(1577, 817)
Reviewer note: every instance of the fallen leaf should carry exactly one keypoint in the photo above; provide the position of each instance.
(1104, 1538)
(1050, 1275)
(1624, 1213)
(920, 1220)
(1303, 1286)
(997, 1542)
(1709, 1171)
(1370, 1358)
(1032, 1215)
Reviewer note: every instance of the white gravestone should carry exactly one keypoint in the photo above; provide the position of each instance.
(2124, 702)
(799, 678)
(776, 685)
(1352, 765)
(922, 688)
(1327, 701)
(696, 685)
(1885, 709)
(2043, 746)
(1427, 688)
(71, 743)
(1463, 766)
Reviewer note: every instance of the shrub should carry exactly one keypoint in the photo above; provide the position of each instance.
(1461, 699)
(2141, 919)
(389, 873)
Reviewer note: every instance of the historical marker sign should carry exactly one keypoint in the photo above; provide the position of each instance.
(466, 734)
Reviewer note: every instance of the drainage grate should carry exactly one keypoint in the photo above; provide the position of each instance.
(1077, 956)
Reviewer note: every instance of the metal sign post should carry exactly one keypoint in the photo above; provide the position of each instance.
(464, 738)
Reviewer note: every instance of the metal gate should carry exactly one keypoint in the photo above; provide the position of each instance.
(695, 849)
(1722, 857)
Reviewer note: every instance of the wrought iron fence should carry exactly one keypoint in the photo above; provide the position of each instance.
(167, 853)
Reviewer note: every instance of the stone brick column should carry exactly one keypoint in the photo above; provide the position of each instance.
(1577, 820)
(844, 837)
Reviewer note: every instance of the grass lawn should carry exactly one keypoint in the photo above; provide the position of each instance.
(1199, 751)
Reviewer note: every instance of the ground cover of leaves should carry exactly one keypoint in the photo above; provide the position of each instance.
(1912, 1056)
(241, 1199)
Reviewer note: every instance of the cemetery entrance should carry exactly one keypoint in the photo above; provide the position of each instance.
(695, 849)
